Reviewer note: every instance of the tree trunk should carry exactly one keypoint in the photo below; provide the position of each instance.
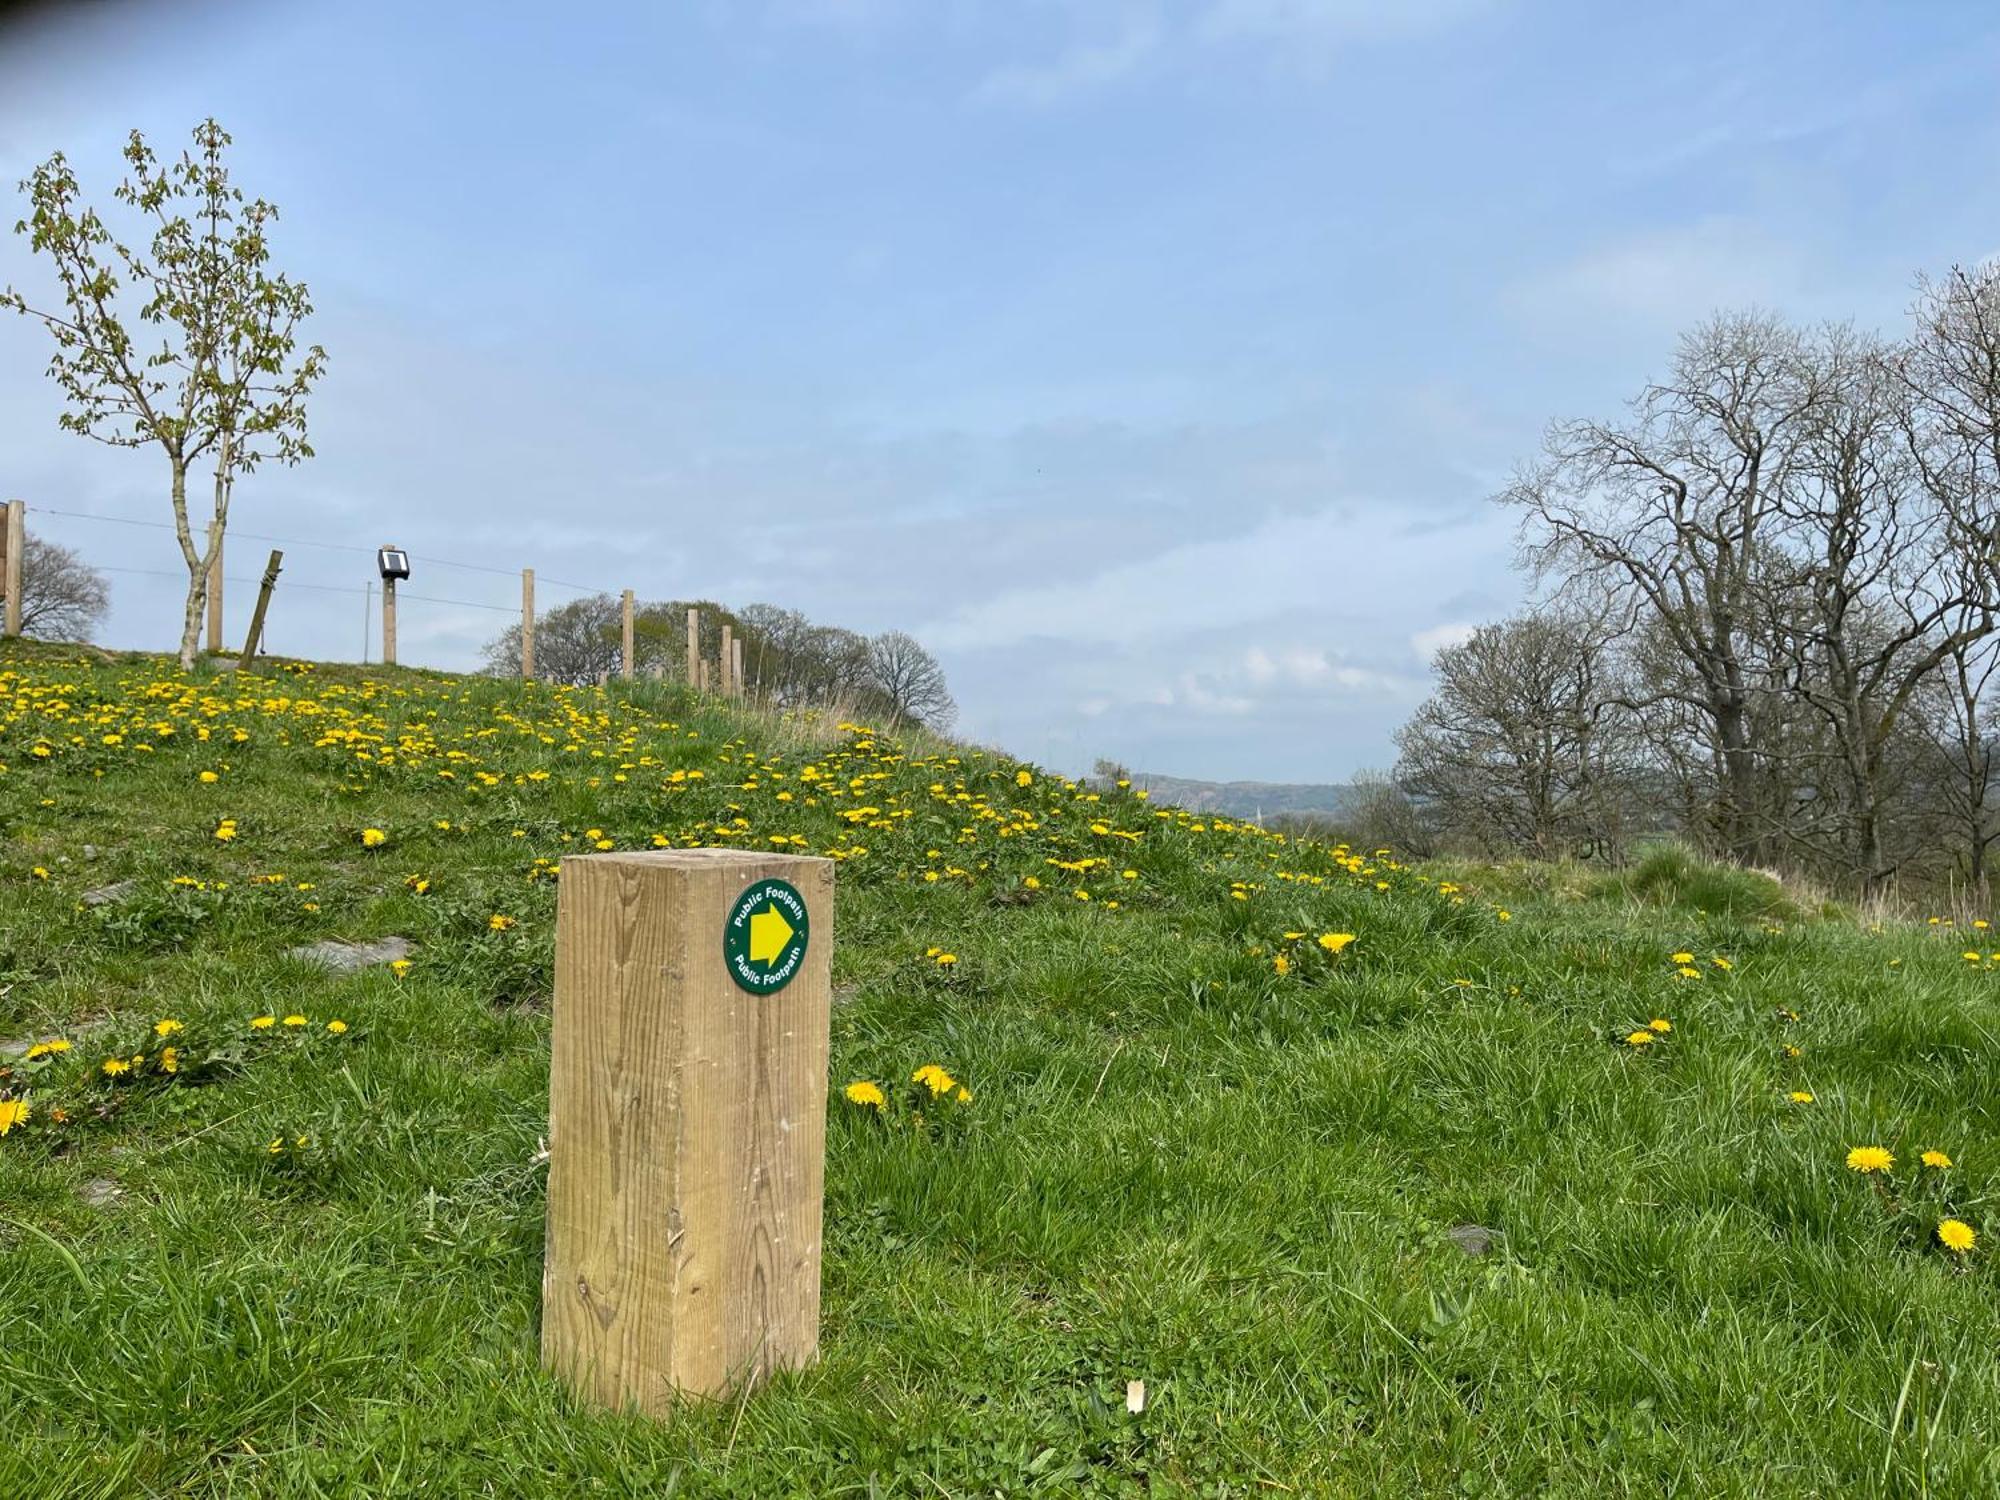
(197, 594)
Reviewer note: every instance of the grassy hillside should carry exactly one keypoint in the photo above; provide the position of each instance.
(266, 1230)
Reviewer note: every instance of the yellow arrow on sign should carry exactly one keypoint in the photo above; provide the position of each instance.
(769, 933)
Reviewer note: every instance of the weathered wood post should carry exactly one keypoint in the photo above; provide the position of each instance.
(722, 655)
(268, 583)
(694, 648)
(527, 623)
(388, 620)
(687, 1122)
(736, 666)
(13, 562)
(626, 621)
(215, 645)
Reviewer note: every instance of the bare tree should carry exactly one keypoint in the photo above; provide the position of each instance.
(221, 385)
(1517, 746)
(63, 598)
(910, 681)
(574, 642)
(1676, 507)
(1874, 592)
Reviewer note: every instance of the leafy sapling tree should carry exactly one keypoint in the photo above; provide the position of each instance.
(190, 345)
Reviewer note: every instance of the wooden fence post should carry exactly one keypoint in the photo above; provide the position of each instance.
(215, 645)
(736, 666)
(722, 664)
(627, 622)
(527, 623)
(694, 648)
(687, 1122)
(388, 621)
(13, 547)
(256, 636)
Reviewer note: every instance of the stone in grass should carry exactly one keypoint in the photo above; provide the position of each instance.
(111, 895)
(100, 1192)
(1475, 1240)
(346, 958)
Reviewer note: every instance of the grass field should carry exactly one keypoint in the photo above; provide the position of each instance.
(1211, 1144)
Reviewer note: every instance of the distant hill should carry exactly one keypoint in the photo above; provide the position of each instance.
(1247, 799)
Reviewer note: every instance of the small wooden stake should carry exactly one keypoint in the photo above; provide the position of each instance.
(627, 622)
(215, 595)
(389, 622)
(694, 648)
(687, 1123)
(256, 636)
(13, 560)
(527, 623)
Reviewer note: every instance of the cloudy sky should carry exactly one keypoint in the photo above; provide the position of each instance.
(1153, 361)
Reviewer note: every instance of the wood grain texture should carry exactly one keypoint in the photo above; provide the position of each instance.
(687, 1133)
(13, 544)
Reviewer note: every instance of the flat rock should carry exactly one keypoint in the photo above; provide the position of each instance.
(346, 958)
(1473, 1239)
(100, 1192)
(111, 895)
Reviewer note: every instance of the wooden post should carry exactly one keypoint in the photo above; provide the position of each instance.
(627, 622)
(13, 561)
(722, 664)
(687, 1122)
(215, 594)
(704, 675)
(527, 623)
(256, 635)
(694, 648)
(736, 666)
(389, 622)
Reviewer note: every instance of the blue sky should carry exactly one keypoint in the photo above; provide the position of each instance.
(1152, 361)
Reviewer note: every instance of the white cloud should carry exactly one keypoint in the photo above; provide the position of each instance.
(1427, 643)
(1081, 68)
(1665, 279)
(1320, 24)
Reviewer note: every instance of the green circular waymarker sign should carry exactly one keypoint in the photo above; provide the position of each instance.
(764, 938)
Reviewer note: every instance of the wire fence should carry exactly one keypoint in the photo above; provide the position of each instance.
(369, 591)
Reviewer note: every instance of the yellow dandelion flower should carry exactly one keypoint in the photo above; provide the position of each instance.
(263, 1023)
(934, 1078)
(1660, 1024)
(1334, 942)
(868, 1095)
(1282, 964)
(46, 1049)
(1683, 958)
(1867, 1159)
(1935, 1159)
(1956, 1236)
(170, 1060)
(401, 966)
(1640, 1039)
(373, 838)
(116, 1066)
(337, 1027)
(295, 1020)
(1024, 778)
(1800, 1096)
(498, 923)
(12, 1112)
(167, 1027)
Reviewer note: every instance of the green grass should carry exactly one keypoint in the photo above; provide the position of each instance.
(1180, 1165)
